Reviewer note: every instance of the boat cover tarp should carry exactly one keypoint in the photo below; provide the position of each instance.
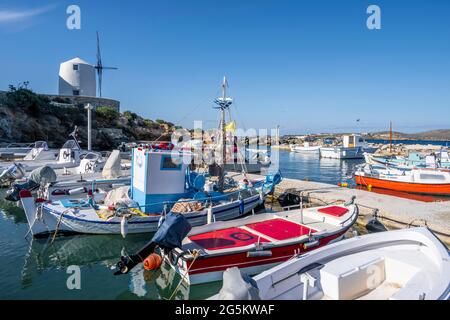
(43, 175)
(172, 231)
(38, 177)
(120, 197)
(112, 168)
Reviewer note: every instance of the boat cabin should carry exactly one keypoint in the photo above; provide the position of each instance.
(354, 141)
(157, 177)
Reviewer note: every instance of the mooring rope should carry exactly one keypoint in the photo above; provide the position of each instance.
(195, 253)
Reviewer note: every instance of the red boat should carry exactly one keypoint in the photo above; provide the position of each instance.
(421, 181)
(163, 146)
(258, 242)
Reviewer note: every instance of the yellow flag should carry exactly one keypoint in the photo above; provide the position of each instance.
(231, 126)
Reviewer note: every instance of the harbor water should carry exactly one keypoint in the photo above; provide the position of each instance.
(38, 269)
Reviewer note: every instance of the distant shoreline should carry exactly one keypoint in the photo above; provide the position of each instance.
(444, 143)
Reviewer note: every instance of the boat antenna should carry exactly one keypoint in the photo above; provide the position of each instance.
(223, 104)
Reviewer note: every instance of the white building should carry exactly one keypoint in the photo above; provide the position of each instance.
(77, 78)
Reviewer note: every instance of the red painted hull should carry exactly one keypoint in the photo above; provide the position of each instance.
(241, 260)
(436, 189)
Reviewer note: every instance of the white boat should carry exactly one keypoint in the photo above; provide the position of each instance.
(15, 150)
(41, 151)
(49, 184)
(306, 148)
(410, 264)
(69, 156)
(158, 185)
(354, 146)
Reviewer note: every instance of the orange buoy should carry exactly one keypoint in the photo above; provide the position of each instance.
(152, 262)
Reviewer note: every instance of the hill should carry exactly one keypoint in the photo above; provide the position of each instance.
(26, 117)
(436, 135)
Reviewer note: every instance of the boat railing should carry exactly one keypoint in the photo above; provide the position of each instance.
(210, 199)
(17, 145)
(352, 217)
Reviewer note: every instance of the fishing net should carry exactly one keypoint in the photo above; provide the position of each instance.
(184, 206)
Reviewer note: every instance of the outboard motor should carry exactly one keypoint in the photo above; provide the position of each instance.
(38, 177)
(168, 237)
(288, 199)
(12, 173)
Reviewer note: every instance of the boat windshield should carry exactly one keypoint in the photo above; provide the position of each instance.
(41, 144)
(90, 156)
(70, 144)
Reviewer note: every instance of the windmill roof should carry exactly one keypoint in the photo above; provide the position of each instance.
(77, 60)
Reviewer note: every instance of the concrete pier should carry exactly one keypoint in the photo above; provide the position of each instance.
(392, 212)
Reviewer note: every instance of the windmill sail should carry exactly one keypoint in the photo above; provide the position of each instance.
(100, 67)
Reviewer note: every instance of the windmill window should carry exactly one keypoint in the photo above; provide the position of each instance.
(75, 67)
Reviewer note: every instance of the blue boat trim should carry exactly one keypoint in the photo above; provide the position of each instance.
(141, 222)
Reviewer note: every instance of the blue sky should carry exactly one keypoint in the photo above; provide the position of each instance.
(308, 66)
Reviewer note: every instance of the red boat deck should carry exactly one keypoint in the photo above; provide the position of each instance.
(334, 211)
(225, 238)
(278, 229)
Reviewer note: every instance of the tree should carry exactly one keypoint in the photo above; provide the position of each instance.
(130, 116)
(107, 113)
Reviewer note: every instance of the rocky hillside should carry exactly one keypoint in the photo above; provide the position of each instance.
(27, 117)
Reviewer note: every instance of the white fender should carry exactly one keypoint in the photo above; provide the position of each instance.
(124, 227)
(209, 215)
(76, 191)
(29, 206)
(261, 197)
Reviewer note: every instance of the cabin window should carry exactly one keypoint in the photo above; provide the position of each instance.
(76, 92)
(361, 140)
(351, 140)
(426, 176)
(167, 163)
(75, 67)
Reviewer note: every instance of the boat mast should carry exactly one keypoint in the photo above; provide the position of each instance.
(223, 104)
(390, 137)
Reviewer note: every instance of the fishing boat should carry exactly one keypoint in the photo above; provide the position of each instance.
(159, 184)
(252, 161)
(306, 148)
(354, 146)
(258, 242)
(409, 264)
(439, 159)
(423, 181)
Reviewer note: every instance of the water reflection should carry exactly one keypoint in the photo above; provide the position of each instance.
(9, 210)
(98, 255)
(312, 167)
